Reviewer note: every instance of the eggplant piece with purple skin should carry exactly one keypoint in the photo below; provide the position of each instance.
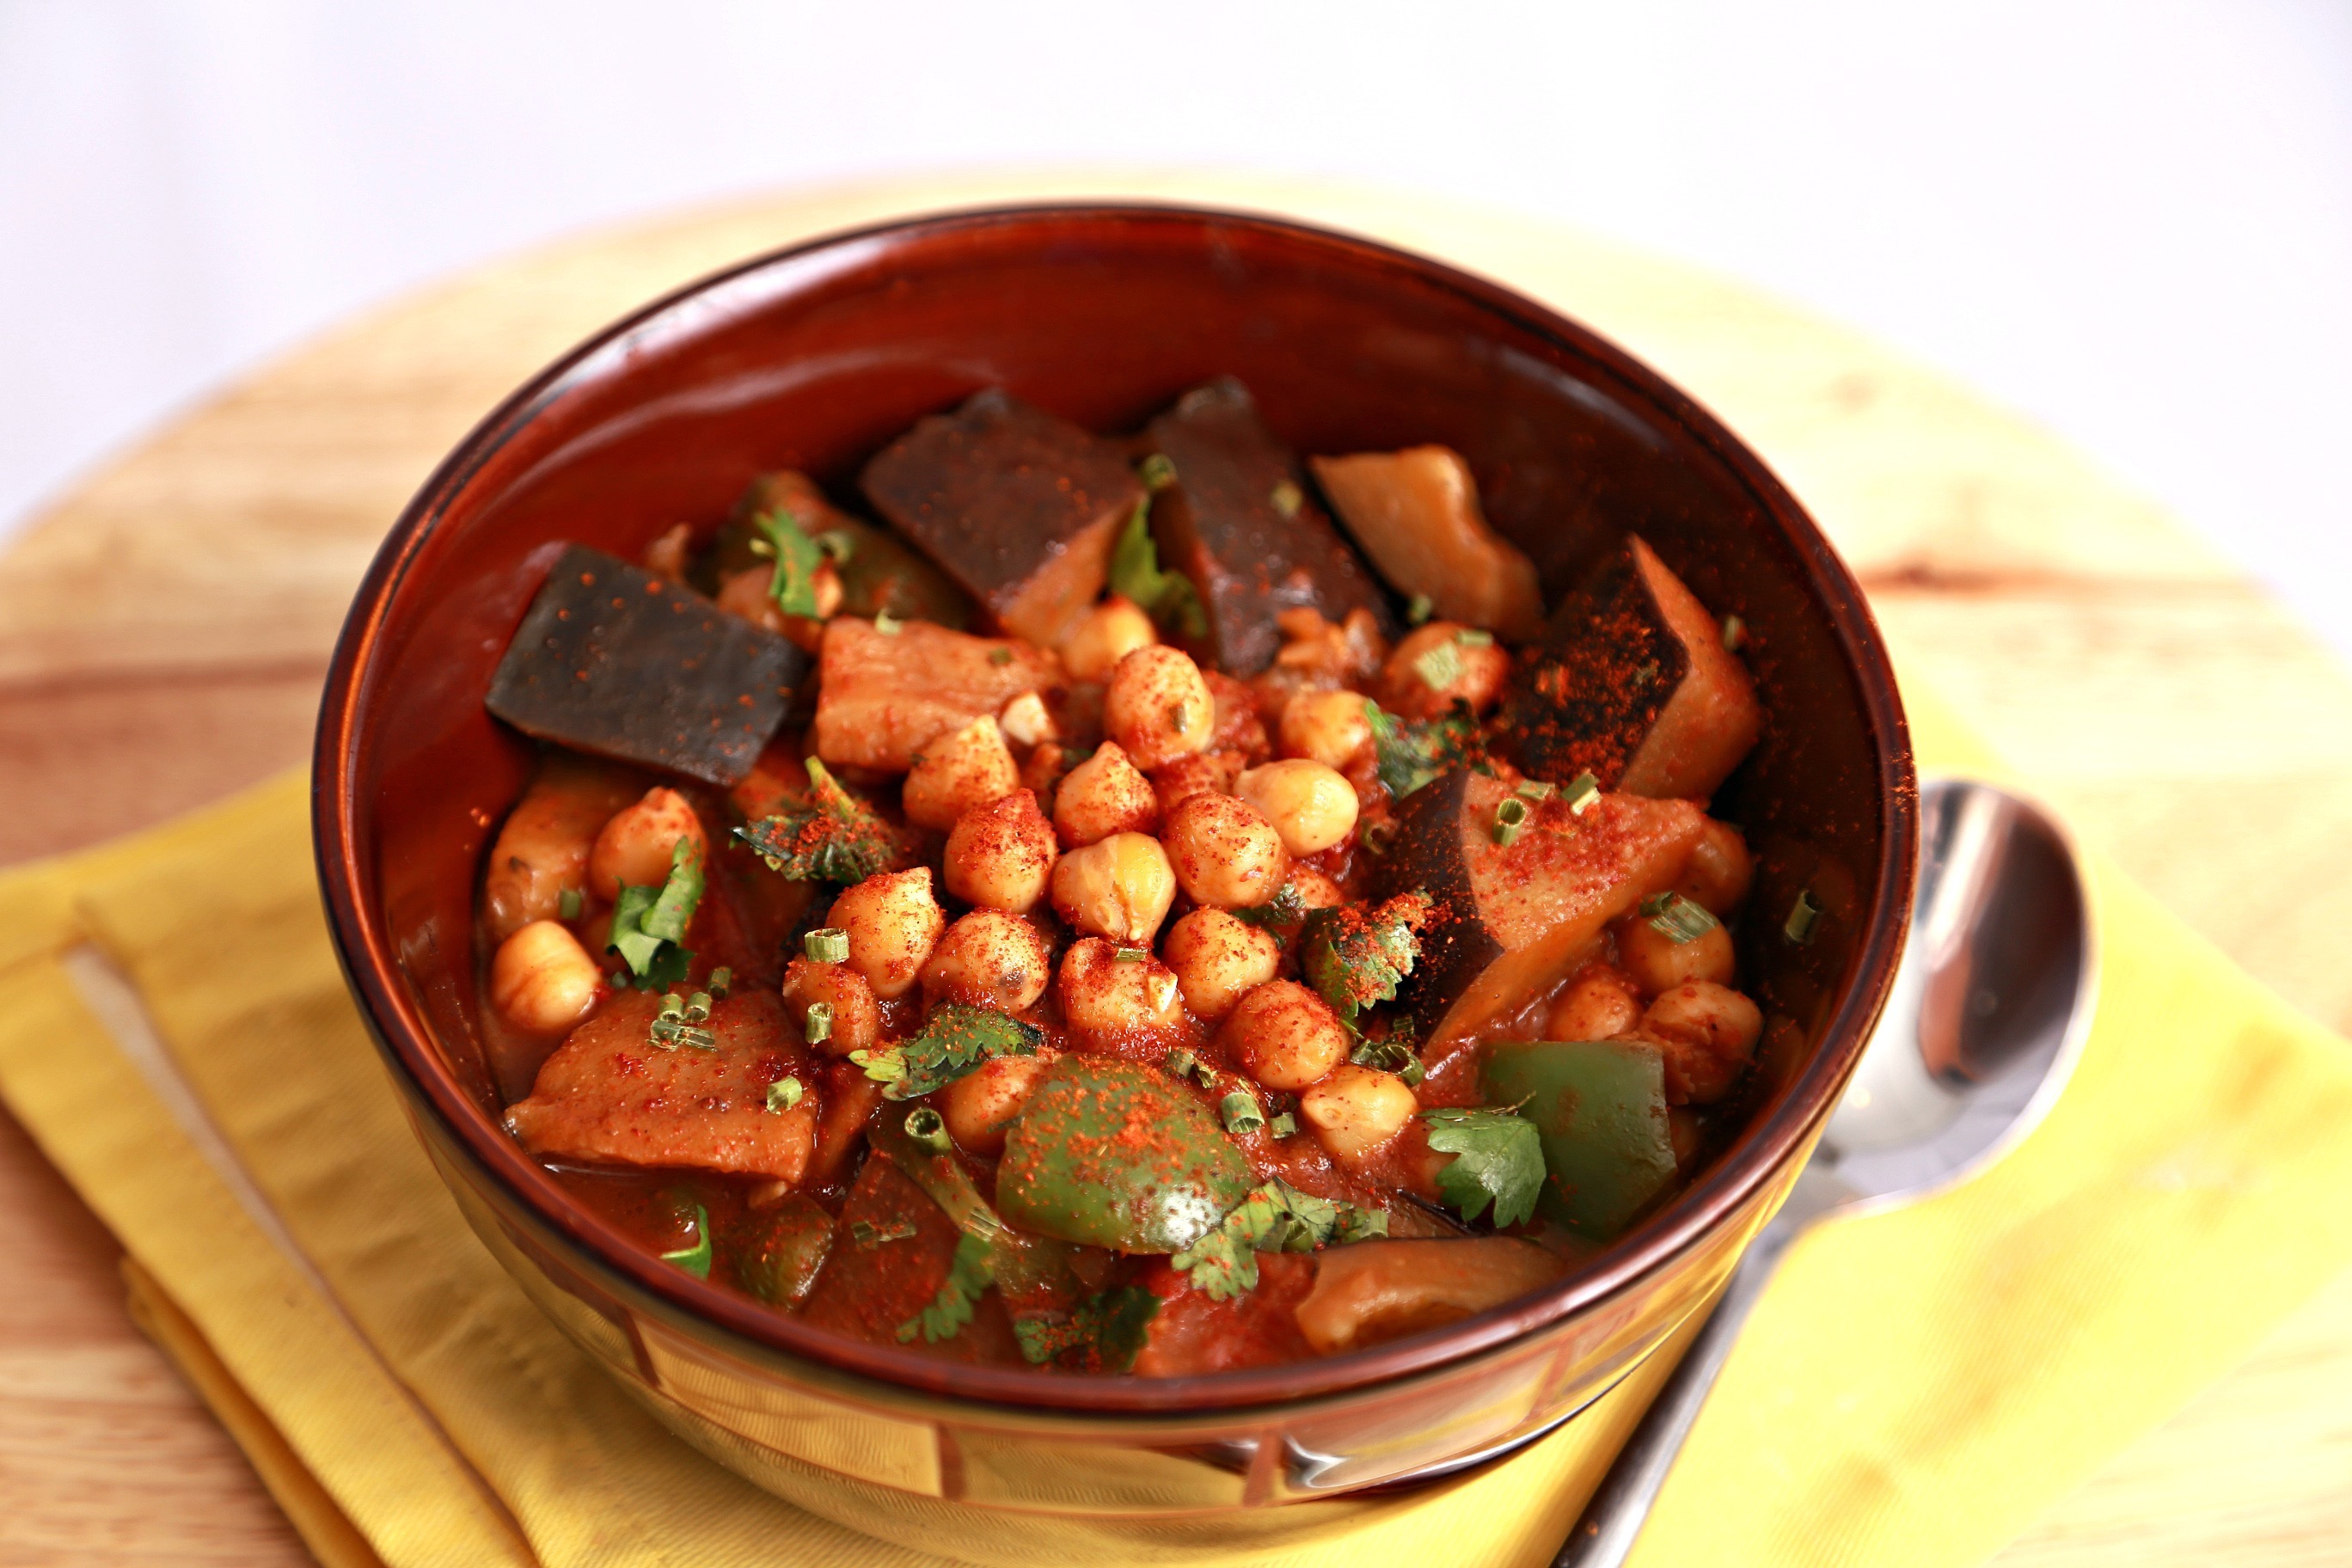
(1631, 684)
(1019, 507)
(618, 663)
(1241, 524)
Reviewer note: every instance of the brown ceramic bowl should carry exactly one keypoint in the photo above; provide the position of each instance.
(814, 357)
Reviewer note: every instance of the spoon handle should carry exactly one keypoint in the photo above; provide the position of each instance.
(1604, 1537)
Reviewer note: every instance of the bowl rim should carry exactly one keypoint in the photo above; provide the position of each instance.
(365, 949)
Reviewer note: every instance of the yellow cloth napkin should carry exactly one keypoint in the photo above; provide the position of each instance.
(1914, 1389)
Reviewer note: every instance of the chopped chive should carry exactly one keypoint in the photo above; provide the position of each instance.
(1735, 632)
(1672, 915)
(1241, 1112)
(1510, 817)
(1000, 656)
(819, 1026)
(886, 623)
(1282, 1126)
(1130, 955)
(568, 904)
(1802, 917)
(1475, 637)
(926, 1127)
(868, 1236)
(1441, 666)
(672, 1006)
(698, 1009)
(1287, 499)
(1584, 791)
(1157, 471)
(827, 944)
(1536, 789)
(784, 1094)
(723, 980)
(1378, 836)
(1395, 1056)
(1420, 610)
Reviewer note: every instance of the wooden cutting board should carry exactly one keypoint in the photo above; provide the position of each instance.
(165, 629)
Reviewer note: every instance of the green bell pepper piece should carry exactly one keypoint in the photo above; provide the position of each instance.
(1600, 1108)
(1113, 1155)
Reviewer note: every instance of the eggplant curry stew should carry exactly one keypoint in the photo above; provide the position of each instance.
(1138, 904)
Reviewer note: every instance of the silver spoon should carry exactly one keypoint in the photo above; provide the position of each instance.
(1987, 1015)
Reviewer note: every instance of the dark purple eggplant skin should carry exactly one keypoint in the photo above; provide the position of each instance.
(617, 662)
(1219, 525)
(997, 492)
(1427, 855)
(1584, 698)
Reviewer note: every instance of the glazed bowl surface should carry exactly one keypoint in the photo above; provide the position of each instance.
(813, 359)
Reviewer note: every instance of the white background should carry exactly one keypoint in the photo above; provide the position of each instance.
(2132, 220)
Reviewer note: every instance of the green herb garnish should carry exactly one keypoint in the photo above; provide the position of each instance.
(868, 1236)
(797, 557)
(1157, 471)
(817, 1026)
(1000, 656)
(826, 944)
(649, 924)
(1105, 1332)
(1510, 815)
(956, 1040)
(1288, 498)
(784, 1094)
(1735, 632)
(885, 624)
(1475, 637)
(972, 1271)
(1537, 790)
(1582, 793)
(929, 1129)
(1168, 597)
(1287, 908)
(1498, 1159)
(1420, 609)
(1282, 1126)
(694, 1259)
(567, 904)
(1803, 915)
(723, 980)
(1356, 955)
(1441, 666)
(1240, 1112)
(679, 1023)
(1411, 752)
(1276, 1217)
(833, 837)
(1390, 1056)
(1674, 916)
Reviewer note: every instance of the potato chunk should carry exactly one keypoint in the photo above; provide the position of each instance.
(887, 695)
(1416, 514)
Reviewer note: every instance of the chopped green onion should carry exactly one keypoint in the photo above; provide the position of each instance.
(1672, 915)
(1802, 917)
(723, 980)
(698, 1009)
(568, 904)
(784, 1094)
(1181, 1063)
(868, 1236)
(1000, 656)
(1735, 632)
(1510, 818)
(827, 944)
(1583, 792)
(1420, 610)
(672, 1006)
(819, 1026)
(1241, 1112)
(1378, 836)
(1282, 1126)
(1287, 499)
(886, 623)
(1536, 789)
(1475, 637)
(1130, 955)
(929, 1129)
(1441, 666)
(1394, 1057)
(1157, 471)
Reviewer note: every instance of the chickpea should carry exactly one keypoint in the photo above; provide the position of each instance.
(1285, 1036)
(1327, 727)
(1708, 1034)
(1000, 855)
(1226, 855)
(1657, 963)
(989, 959)
(1310, 804)
(1028, 720)
(1119, 888)
(1241, 726)
(1470, 671)
(1719, 870)
(1108, 633)
(1157, 707)
(893, 924)
(1103, 795)
(1217, 958)
(542, 980)
(1106, 999)
(1356, 1109)
(982, 1106)
(1599, 1004)
(634, 847)
(1315, 891)
(857, 1019)
(1203, 772)
(970, 767)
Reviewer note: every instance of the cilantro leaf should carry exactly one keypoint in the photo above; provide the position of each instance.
(1168, 597)
(1105, 1332)
(1410, 752)
(649, 924)
(1355, 955)
(955, 1040)
(793, 586)
(1498, 1157)
(833, 837)
(972, 1271)
(1275, 1218)
(1287, 908)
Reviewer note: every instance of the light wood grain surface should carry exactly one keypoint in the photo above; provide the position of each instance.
(163, 630)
